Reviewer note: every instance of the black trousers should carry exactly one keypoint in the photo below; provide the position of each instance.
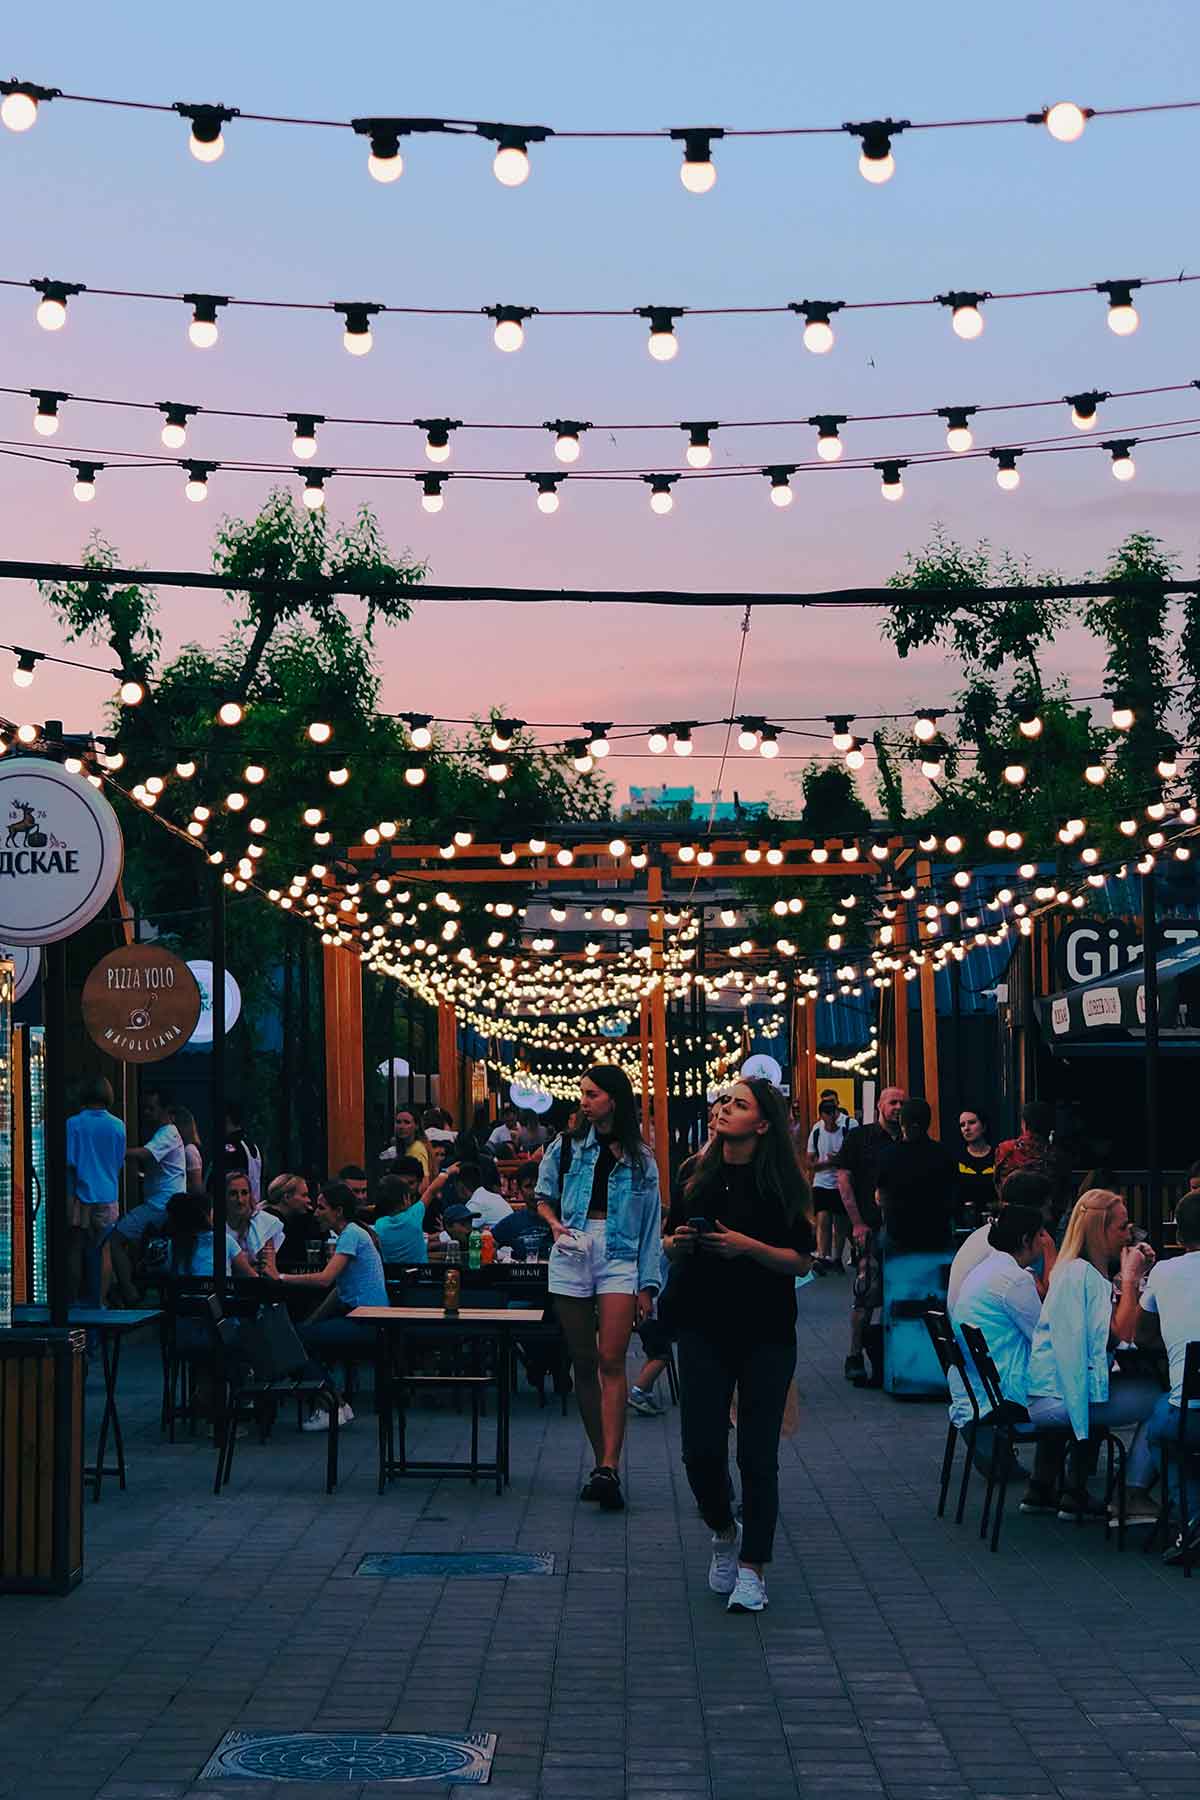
(709, 1371)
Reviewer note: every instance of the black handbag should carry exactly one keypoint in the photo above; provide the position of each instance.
(270, 1345)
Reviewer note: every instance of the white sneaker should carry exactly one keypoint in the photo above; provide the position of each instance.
(643, 1403)
(723, 1569)
(749, 1592)
(345, 1413)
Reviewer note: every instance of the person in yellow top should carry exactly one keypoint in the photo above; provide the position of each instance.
(410, 1140)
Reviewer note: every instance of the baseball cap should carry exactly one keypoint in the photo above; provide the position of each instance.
(457, 1215)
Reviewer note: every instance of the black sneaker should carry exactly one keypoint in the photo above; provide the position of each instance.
(1039, 1500)
(590, 1490)
(1173, 1554)
(608, 1490)
(1081, 1506)
(854, 1367)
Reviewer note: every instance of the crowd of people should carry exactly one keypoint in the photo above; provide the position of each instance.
(708, 1272)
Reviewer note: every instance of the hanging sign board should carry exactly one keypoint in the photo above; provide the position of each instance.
(26, 960)
(201, 1038)
(60, 851)
(140, 1003)
(762, 1067)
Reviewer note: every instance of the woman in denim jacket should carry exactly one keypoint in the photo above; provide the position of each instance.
(605, 1264)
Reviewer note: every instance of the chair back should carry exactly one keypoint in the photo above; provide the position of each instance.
(985, 1368)
(945, 1344)
(1189, 1394)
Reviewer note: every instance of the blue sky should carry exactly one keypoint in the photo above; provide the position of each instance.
(113, 199)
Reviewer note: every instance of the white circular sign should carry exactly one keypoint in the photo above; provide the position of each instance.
(60, 851)
(762, 1068)
(202, 1037)
(613, 1028)
(398, 1068)
(529, 1099)
(26, 960)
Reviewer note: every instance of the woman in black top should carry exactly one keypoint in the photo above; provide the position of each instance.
(738, 1235)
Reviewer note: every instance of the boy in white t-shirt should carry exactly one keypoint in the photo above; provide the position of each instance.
(164, 1173)
(820, 1152)
(1172, 1297)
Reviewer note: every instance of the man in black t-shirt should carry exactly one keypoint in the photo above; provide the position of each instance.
(918, 1181)
(858, 1178)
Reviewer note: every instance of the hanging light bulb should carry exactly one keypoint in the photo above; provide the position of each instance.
(699, 450)
(132, 691)
(432, 498)
(509, 333)
(1008, 476)
(1064, 120)
(663, 345)
(1121, 450)
(85, 480)
(547, 491)
(304, 439)
(356, 322)
(1083, 408)
(876, 163)
(855, 758)
(26, 666)
(414, 774)
(965, 316)
(45, 418)
(1168, 762)
(892, 480)
(780, 478)
(314, 488)
(419, 734)
(749, 733)
(1096, 774)
(959, 437)
(597, 735)
(19, 107)
(437, 437)
(1122, 313)
(661, 498)
(203, 331)
(818, 332)
(1015, 773)
(581, 757)
(843, 737)
(510, 165)
(925, 728)
(51, 312)
(196, 487)
(657, 740)
(384, 161)
(829, 444)
(1122, 714)
(1029, 720)
(682, 732)
(498, 771)
(567, 433)
(319, 732)
(698, 173)
(339, 777)
(769, 747)
(230, 712)
(174, 431)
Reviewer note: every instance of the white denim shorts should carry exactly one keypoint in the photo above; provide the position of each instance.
(579, 1268)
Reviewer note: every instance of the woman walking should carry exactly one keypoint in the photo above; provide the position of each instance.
(738, 1235)
(598, 1191)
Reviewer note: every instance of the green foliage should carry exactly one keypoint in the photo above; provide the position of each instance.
(977, 630)
(122, 617)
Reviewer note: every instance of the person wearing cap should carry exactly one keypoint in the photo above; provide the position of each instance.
(821, 1152)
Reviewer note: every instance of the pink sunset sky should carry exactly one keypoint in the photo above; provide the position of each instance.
(112, 199)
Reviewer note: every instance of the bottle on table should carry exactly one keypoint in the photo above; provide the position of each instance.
(487, 1246)
(451, 1287)
(474, 1248)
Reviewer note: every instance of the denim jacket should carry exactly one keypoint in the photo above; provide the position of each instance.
(634, 1212)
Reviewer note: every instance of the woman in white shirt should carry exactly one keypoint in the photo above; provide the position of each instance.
(1070, 1381)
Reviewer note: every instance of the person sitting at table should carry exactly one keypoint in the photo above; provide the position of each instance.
(289, 1200)
(189, 1227)
(258, 1234)
(524, 1231)
(353, 1176)
(400, 1214)
(1069, 1365)
(1171, 1301)
(1026, 1189)
(352, 1277)
(449, 1187)
(1000, 1298)
(488, 1206)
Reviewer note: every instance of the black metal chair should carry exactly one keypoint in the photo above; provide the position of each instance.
(1185, 1457)
(250, 1394)
(949, 1354)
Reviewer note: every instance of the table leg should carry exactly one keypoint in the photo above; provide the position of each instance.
(383, 1405)
(110, 1349)
(504, 1408)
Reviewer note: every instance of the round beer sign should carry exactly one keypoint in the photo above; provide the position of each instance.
(141, 1003)
(60, 851)
(26, 960)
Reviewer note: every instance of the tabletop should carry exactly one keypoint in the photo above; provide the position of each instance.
(437, 1315)
(95, 1318)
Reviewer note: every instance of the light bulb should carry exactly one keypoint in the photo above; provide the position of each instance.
(414, 775)
(877, 169)
(230, 712)
(1014, 774)
(320, 732)
(207, 149)
(1123, 466)
(196, 488)
(893, 486)
(339, 777)
(314, 494)
(818, 336)
(304, 443)
(437, 451)
(656, 743)
(1008, 476)
(358, 343)
(1123, 318)
(421, 737)
(1030, 726)
(510, 166)
(698, 177)
(769, 747)
(385, 165)
(959, 438)
(663, 345)
(1065, 121)
(509, 334)
(203, 333)
(547, 501)
(85, 488)
(23, 673)
(567, 446)
(174, 434)
(967, 321)
(683, 745)
(924, 728)
(1122, 717)
(855, 758)
(45, 418)
(432, 498)
(662, 501)
(132, 692)
(598, 744)
(497, 771)
(1096, 774)
(781, 493)
(51, 314)
(699, 456)
(748, 738)
(829, 444)
(19, 110)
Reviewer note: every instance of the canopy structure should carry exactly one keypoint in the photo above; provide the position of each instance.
(1110, 1010)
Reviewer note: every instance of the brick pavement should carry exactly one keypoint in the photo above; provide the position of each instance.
(898, 1659)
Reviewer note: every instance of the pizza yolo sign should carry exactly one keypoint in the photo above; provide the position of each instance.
(141, 1003)
(60, 852)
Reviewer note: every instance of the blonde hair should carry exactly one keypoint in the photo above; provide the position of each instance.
(1087, 1229)
(283, 1187)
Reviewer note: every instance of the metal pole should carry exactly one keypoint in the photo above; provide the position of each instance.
(1154, 1219)
(392, 1092)
(54, 1015)
(217, 1075)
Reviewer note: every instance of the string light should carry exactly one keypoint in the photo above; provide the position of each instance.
(818, 331)
(829, 444)
(581, 757)
(432, 498)
(19, 107)
(965, 316)
(1015, 773)
(681, 732)
(567, 433)
(356, 320)
(1122, 714)
(1008, 476)
(780, 478)
(750, 733)
(510, 165)
(1121, 450)
(419, 734)
(1122, 313)
(131, 693)
(304, 438)
(1083, 408)
(384, 161)
(657, 741)
(51, 312)
(547, 491)
(1029, 720)
(698, 173)
(205, 141)
(230, 712)
(174, 431)
(85, 480)
(196, 486)
(662, 344)
(314, 488)
(959, 437)
(699, 450)
(925, 727)
(503, 733)
(892, 480)
(203, 330)
(661, 498)
(45, 418)
(25, 669)
(509, 333)
(876, 163)
(1065, 121)
(597, 732)
(437, 437)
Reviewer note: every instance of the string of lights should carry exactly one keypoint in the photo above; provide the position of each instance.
(1064, 121)
(965, 307)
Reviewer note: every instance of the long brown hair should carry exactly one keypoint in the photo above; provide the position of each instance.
(626, 1125)
(776, 1167)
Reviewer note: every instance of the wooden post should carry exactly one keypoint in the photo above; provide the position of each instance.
(929, 1045)
(658, 1032)
(644, 1047)
(900, 1075)
(344, 1098)
(447, 1020)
